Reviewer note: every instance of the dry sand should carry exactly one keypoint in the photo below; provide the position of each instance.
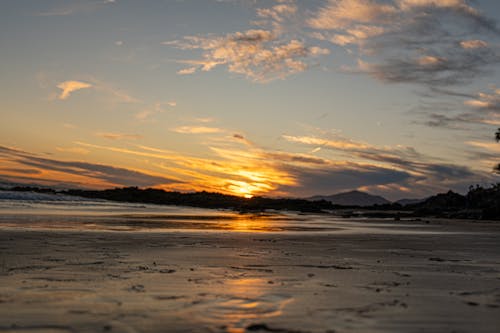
(438, 277)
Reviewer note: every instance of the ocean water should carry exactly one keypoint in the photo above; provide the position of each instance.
(27, 210)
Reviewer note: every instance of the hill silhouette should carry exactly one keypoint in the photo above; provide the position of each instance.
(352, 198)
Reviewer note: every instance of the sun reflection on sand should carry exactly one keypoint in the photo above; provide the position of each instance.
(253, 223)
(242, 302)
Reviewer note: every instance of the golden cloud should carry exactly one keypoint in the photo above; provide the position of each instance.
(69, 87)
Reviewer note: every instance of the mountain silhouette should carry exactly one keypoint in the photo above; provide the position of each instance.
(352, 198)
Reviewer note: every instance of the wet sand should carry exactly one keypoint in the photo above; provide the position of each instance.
(442, 276)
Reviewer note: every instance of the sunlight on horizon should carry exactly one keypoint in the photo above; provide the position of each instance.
(279, 98)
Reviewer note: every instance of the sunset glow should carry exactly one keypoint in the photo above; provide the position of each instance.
(265, 98)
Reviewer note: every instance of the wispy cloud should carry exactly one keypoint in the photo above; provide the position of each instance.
(73, 150)
(156, 108)
(187, 71)
(257, 54)
(197, 130)
(489, 102)
(482, 108)
(116, 95)
(81, 6)
(119, 136)
(68, 87)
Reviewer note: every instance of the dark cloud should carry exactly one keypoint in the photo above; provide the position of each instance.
(448, 121)
(296, 158)
(333, 179)
(22, 171)
(463, 110)
(438, 92)
(430, 43)
(439, 67)
(106, 173)
(442, 172)
(387, 170)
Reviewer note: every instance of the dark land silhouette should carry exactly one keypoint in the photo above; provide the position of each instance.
(479, 202)
(497, 138)
(352, 198)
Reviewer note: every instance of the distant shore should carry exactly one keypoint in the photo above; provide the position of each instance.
(478, 204)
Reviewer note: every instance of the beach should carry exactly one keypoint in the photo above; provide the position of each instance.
(353, 276)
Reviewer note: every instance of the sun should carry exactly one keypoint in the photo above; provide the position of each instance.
(246, 192)
(243, 189)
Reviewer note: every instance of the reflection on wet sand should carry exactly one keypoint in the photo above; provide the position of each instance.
(240, 302)
(181, 270)
(213, 222)
(235, 282)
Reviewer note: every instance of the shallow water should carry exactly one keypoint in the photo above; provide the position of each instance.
(53, 212)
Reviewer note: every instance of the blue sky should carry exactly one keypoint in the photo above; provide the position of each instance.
(399, 97)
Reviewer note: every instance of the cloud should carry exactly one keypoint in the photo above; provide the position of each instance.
(83, 173)
(482, 108)
(204, 120)
(83, 6)
(426, 42)
(278, 17)
(443, 68)
(257, 54)
(116, 94)
(230, 169)
(274, 50)
(120, 136)
(21, 171)
(113, 94)
(335, 178)
(187, 71)
(69, 87)
(399, 155)
(473, 44)
(234, 165)
(73, 150)
(339, 14)
(391, 169)
(197, 130)
(296, 158)
(155, 109)
(486, 101)
(69, 126)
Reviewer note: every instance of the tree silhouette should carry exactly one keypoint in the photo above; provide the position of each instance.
(497, 138)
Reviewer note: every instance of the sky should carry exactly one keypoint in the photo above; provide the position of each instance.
(399, 98)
